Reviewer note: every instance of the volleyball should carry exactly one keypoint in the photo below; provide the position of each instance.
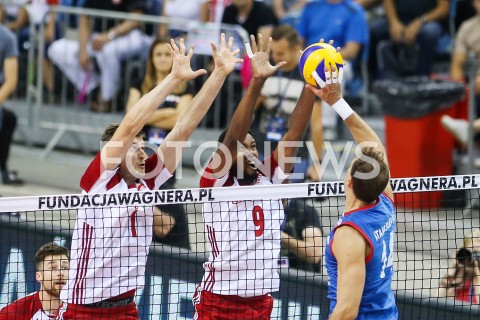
(315, 58)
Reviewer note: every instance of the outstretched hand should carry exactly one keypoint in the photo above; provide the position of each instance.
(330, 90)
(181, 68)
(225, 59)
(260, 59)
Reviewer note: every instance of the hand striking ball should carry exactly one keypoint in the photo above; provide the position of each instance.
(315, 58)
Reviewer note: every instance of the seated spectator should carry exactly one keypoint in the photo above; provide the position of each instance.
(302, 236)
(32, 12)
(110, 43)
(467, 41)
(51, 265)
(179, 9)
(170, 223)
(254, 16)
(349, 32)
(158, 66)
(8, 84)
(410, 22)
(462, 281)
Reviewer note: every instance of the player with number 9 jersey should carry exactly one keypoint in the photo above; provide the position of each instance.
(244, 236)
(377, 225)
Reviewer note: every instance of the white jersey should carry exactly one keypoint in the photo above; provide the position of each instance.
(110, 244)
(243, 240)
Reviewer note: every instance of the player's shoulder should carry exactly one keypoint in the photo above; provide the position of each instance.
(21, 305)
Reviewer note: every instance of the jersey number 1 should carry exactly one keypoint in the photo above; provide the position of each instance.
(258, 220)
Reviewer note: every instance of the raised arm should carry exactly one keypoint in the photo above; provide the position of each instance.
(225, 61)
(362, 133)
(141, 112)
(242, 118)
(296, 131)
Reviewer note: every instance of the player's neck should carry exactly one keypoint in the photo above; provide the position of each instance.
(49, 302)
(244, 11)
(353, 203)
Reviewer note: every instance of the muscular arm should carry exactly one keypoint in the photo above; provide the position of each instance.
(362, 133)
(225, 62)
(296, 131)
(10, 70)
(350, 250)
(127, 25)
(242, 118)
(309, 249)
(114, 151)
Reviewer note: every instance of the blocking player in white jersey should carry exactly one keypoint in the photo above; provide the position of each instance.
(244, 236)
(110, 244)
(51, 265)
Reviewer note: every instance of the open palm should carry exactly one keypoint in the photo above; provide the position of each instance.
(181, 68)
(225, 58)
(260, 61)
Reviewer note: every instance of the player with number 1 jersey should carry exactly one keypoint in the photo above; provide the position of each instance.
(244, 236)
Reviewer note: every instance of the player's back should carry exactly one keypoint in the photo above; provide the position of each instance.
(377, 225)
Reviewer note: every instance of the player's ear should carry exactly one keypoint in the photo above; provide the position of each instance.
(39, 276)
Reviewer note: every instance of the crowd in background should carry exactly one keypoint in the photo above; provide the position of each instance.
(414, 37)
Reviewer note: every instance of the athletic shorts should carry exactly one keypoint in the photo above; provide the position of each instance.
(211, 306)
(70, 311)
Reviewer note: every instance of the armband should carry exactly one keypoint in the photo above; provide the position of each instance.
(342, 108)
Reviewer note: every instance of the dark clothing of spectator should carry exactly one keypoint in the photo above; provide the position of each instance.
(298, 216)
(261, 15)
(408, 10)
(178, 235)
(118, 6)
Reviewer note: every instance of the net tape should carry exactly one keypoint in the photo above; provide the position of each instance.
(196, 195)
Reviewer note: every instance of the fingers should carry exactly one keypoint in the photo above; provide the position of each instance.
(269, 46)
(260, 42)
(330, 42)
(174, 46)
(236, 51)
(322, 40)
(214, 48)
(230, 43)
(279, 65)
(248, 50)
(199, 72)
(328, 76)
(190, 51)
(319, 80)
(223, 43)
(182, 46)
(340, 75)
(334, 74)
(254, 44)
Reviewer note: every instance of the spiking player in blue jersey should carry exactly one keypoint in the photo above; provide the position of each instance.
(359, 253)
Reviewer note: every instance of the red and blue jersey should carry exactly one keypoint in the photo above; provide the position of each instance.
(376, 223)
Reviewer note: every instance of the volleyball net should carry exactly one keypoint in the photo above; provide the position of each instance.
(436, 217)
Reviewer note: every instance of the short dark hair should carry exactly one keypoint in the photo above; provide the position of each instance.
(111, 129)
(49, 249)
(222, 135)
(287, 32)
(368, 190)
